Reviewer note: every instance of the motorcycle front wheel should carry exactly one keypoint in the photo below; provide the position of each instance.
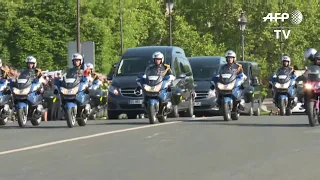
(312, 113)
(152, 114)
(70, 117)
(282, 107)
(226, 111)
(22, 118)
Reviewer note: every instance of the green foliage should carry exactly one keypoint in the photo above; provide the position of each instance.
(43, 29)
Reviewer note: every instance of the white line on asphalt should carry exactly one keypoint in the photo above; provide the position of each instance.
(83, 137)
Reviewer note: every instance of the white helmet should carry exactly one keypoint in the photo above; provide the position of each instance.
(231, 53)
(286, 58)
(31, 59)
(89, 66)
(0, 62)
(309, 53)
(77, 56)
(158, 55)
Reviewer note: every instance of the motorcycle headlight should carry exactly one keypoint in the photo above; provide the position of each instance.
(229, 86)
(308, 86)
(24, 91)
(113, 90)
(211, 93)
(156, 88)
(72, 91)
(282, 86)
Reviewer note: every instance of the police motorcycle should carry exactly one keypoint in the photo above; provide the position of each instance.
(157, 95)
(75, 98)
(229, 91)
(27, 93)
(5, 101)
(284, 91)
(96, 98)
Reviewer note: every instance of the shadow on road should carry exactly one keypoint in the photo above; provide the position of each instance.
(121, 123)
(33, 127)
(262, 125)
(203, 120)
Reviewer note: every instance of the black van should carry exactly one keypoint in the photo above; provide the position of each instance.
(253, 104)
(203, 68)
(123, 96)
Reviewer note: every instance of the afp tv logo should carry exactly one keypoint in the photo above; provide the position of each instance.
(295, 17)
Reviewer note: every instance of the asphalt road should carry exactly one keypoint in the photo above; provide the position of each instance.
(275, 147)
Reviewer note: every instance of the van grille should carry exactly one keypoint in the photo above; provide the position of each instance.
(129, 92)
(201, 94)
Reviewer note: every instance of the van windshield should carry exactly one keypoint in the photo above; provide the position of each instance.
(133, 65)
(203, 72)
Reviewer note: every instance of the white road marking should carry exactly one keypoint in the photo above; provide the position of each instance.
(155, 134)
(84, 137)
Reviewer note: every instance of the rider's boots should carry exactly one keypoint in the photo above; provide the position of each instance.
(242, 105)
(87, 109)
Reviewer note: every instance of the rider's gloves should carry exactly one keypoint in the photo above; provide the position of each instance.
(240, 75)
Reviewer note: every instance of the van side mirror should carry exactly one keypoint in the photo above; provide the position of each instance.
(109, 78)
(182, 76)
(140, 76)
(255, 81)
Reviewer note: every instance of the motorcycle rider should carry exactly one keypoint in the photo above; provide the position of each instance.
(286, 61)
(232, 64)
(112, 72)
(90, 73)
(314, 56)
(77, 61)
(4, 71)
(32, 64)
(159, 66)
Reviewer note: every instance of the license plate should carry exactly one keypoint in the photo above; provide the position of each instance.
(197, 103)
(135, 101)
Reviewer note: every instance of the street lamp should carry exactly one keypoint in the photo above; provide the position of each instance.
(121, 26)
(169, 8)
(242, 21)
(78, 27)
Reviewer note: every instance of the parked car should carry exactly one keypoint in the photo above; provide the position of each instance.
(124, 97)
(203, 68)
(253, 104)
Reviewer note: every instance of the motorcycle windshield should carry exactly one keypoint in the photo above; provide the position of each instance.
(153, 76)
(71, 79)
(313, 73)
(283, 75)
(227, 75)
(25, 79)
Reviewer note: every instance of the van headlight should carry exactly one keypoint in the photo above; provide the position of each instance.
(113, 90)
(211, 93)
